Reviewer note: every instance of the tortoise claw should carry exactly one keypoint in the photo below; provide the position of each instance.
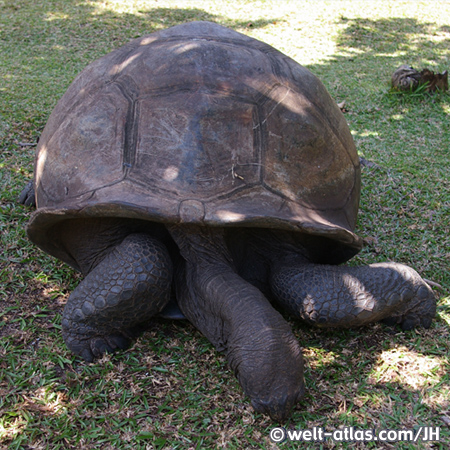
(93, 347)
(27, 196)
(278, 409)
(421, 308)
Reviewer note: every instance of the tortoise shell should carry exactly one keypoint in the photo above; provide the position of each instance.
(199, 124)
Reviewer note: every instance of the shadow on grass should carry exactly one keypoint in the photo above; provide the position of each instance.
(385, 37)
(146, 20)
(370, 50)
(44, 46)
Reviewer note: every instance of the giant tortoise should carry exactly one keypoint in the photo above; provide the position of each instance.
(201, 165)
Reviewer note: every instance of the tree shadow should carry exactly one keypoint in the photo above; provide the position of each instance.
(169, 17)
(383, 36)
(390, 42)
(394, 39)
(151, 19)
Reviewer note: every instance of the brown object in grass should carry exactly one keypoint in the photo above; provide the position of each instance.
(406, 78)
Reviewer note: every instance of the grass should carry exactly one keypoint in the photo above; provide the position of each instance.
(172, 390)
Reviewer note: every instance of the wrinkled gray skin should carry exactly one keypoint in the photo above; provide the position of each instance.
(224, 279)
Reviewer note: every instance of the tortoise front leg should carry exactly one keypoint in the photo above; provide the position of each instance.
(236, 318)
(341, 296)
(129, 286)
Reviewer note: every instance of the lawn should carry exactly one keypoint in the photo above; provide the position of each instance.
(172, 390)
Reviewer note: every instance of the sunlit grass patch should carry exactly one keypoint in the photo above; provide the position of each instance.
(401, 365)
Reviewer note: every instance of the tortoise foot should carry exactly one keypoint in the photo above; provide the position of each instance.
(278, 409)
(27, 196)
(419, 309)
(110, 307)
(92, 346)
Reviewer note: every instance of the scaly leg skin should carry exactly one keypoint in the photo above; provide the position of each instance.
(237, 318)
(340, 296)
(129, 286)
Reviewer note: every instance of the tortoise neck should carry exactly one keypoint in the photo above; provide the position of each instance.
(202, 245)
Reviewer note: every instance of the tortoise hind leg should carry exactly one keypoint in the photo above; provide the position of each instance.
(27, 196)
(129, 286)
